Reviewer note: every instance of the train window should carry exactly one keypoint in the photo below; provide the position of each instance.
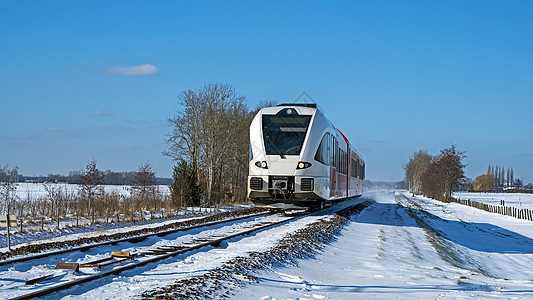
(336, 156)
(343, 168)
(251, 155)
(339, 159)
(361, 169)
(343, 162)
(319, 156)
(322, 151)
(353, 168)
(284, 135)
(333, 151)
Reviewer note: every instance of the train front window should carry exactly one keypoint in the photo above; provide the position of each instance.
(284, 135)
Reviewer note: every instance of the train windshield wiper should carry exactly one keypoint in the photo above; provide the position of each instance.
(275, 147)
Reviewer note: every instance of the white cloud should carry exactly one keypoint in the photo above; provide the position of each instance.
(100, 113)
(146, 69)
(53, 132)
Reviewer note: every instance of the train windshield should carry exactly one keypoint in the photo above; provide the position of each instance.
(284, 135)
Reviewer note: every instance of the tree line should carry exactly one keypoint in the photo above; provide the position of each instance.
(435, 176)
(75, 177)
(498, 179)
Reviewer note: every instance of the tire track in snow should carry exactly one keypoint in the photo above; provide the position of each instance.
(440, 241)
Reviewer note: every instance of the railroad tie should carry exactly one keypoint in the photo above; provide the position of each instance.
(68, 266)
(121, 254)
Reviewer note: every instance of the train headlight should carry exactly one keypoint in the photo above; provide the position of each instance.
(261, 164)
(303, 165)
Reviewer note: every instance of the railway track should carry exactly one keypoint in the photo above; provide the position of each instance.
(70, 274)
(131, 239)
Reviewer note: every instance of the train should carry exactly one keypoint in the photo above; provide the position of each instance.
(299, 159)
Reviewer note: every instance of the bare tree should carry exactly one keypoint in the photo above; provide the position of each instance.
(204, 132)
(55, 198)
(143, 185)
(185, 138)
(43, 209)
(90, 187)
(8, 188)
(453, 169)
(443, 174)
(414, 170)
(20, 208)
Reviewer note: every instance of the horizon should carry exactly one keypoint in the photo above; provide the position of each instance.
(98, 80)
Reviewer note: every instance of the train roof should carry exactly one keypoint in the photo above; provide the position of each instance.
(300, 109)
(310, 105)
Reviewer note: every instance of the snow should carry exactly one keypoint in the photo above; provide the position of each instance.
(132, 283)
(32, 227)
(385, 254)
(87, 231)
(402, 247)
(37, 190)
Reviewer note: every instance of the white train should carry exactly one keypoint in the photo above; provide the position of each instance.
(298, 157)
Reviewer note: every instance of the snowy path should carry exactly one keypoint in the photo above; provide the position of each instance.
(392, 252)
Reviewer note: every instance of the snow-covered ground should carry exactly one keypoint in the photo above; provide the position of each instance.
(401, 247)
(518, 200)
(71, 232)
(391, 252)
(12, 278)
(37, 191)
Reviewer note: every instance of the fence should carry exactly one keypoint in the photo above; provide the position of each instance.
(520, 213)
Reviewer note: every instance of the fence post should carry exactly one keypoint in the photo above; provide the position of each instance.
(11, 221)
(8, 239)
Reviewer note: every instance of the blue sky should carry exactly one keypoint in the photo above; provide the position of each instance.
(394, 76)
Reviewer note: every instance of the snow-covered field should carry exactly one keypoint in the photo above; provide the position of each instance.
(37, 190)
(517, 200)
(401, 247)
